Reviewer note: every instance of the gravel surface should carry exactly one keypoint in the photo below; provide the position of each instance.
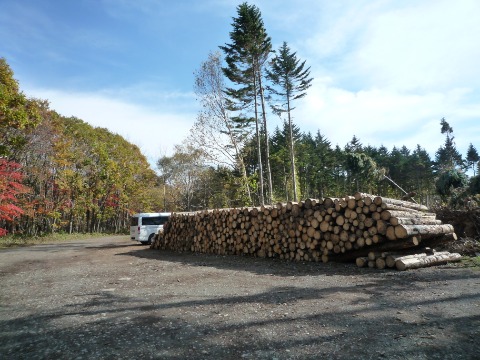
(109, 298)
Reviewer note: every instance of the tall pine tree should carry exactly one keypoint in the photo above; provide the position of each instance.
(291, 79)
(447, 157)
(245, 57)
(472, 157)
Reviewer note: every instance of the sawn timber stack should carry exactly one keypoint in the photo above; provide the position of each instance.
(329, 229)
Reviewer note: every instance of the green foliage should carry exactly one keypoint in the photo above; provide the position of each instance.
(447, 157)
(362, 171)
(81, 178)
(17, 113)
(450, 180)
(472, 157)
(291, 80)
(245, 57)
(182, 173)
(474, 185)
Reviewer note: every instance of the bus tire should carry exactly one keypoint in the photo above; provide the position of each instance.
(150, 239)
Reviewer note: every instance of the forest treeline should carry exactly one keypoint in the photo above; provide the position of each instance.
(59, 173)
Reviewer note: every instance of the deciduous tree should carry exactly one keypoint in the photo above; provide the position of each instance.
(219, 135)
(10, 188)
(17, 112)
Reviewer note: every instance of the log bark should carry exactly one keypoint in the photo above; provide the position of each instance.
(405, 204)
(428, 260)
(310, 230)
(377, 248)
(391, 258)
(406, 213)
(414, 221)
(404, 231)
(361, 261)
(380, 263)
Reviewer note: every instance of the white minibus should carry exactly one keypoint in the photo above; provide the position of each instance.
(144, 226)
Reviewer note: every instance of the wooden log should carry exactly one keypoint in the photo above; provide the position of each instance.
(380, 263)
(391, 233)
(361, 261)
(382, 227)
(362, 249)
(340, 220)
(310, 203)
(368, 198)
(424, 261)
(360, 242)
(329, 202)
(378, 238)
(405, 204)
(351, 202)
(391, 258)
(369, 222)
(386, 206)
(340, 203)
(405, 213)
(404, 231)
(414, 221)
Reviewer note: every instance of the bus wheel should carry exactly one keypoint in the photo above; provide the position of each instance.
(150, 239)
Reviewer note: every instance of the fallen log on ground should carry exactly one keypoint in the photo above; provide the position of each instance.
(424, 261)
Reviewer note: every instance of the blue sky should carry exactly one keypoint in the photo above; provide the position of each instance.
(386, 71)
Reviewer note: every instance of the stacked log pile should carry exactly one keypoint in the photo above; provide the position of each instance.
(330, 229)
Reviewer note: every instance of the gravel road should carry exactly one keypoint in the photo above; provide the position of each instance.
(109, 298)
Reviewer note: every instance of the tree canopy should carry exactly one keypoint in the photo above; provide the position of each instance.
(78, 177)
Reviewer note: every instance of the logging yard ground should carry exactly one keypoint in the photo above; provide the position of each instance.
(110, 298)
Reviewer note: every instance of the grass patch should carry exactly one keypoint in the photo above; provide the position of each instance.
(11, 241)
(471, 262)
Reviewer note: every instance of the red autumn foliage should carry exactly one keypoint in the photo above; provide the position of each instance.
(10, 187)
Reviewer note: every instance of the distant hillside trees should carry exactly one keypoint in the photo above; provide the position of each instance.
(61, 174)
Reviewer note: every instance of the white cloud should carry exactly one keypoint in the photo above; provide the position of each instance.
(388, 117)
(424, 46)
(153, 131)
(387, 72)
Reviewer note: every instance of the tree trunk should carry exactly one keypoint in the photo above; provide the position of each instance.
(267, 145)
(292, 150)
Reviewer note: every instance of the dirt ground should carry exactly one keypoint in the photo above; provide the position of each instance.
(109, 298)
